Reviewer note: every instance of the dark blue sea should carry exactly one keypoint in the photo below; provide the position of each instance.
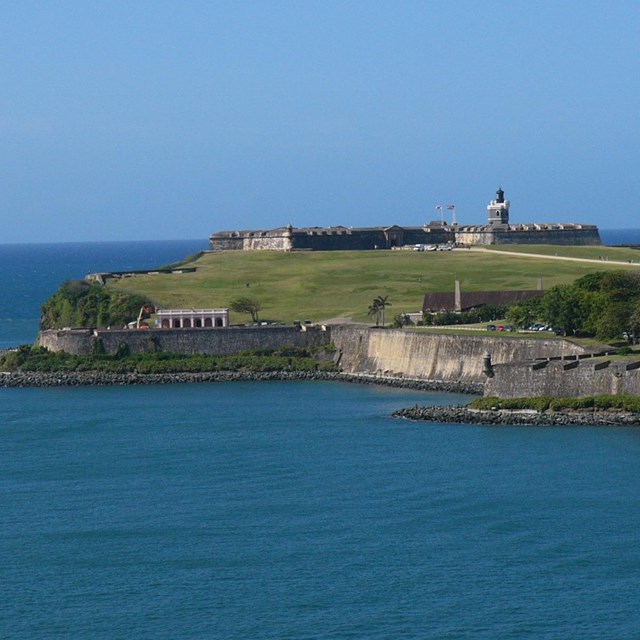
(296, 510)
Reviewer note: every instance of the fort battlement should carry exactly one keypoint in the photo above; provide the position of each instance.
(498, 230)
(573, 376)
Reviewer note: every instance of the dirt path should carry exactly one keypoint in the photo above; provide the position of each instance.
(539, 256)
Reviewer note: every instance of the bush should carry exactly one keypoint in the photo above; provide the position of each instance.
(78, 303)
(27, 358)
(600, 402)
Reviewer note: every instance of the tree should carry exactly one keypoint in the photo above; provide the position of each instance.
(383, 303)
(78, 303)
(377, 307)
(566, 306)
(374, 310)
(634, 323)
(247, 305)
(525, 313)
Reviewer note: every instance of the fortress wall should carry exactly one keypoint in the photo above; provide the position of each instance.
(585, 379)
(267, 243)
(76, 341)
(389, 352)
(223, 341)
(323, 239)
(587, 236)
(342, 240)
(224, 243)
(435, 356)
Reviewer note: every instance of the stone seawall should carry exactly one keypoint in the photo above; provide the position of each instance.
(576, 378)
(435, 356)
(385, 353)
(223, 341)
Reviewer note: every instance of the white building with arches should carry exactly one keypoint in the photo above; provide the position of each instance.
(192, 318)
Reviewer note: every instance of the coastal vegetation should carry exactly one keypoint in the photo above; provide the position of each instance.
(79, 303)
(341, 284)
(28, 358)
(547, 403)
(603, 304)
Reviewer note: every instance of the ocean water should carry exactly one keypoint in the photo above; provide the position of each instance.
(31, 273)
(296, 510)
(614, 237)
(301, 510)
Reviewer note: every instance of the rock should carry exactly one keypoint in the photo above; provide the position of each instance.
(464, 415)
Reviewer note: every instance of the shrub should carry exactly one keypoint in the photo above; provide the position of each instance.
(599, 402)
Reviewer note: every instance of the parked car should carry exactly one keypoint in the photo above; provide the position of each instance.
(491, 327)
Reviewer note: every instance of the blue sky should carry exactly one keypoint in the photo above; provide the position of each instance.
(157, 120)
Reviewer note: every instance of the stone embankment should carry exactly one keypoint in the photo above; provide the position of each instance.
(436, 356)
(464, 415)
(447, 386)
(100, 378)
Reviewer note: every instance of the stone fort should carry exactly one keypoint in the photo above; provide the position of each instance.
(498, 230)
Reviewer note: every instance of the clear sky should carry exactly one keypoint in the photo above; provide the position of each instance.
(156, 120)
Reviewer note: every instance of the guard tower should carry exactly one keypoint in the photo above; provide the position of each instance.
(499, 210)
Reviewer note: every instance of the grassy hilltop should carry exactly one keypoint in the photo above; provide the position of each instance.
(324, 285)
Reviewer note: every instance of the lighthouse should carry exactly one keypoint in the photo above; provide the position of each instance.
(499, 210)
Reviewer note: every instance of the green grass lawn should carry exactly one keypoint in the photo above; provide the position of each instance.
(589, 253)
(323, 285)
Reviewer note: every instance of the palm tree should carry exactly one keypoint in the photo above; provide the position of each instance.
(374, 310)
(382, 302)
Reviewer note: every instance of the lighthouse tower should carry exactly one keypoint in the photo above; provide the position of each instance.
(499, 210)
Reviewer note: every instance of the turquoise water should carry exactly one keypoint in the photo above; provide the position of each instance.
(301, 510)
(295, 510)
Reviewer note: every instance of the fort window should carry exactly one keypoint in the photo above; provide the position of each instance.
(208, 322)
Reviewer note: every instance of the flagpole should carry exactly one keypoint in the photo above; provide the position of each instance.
(452, 208)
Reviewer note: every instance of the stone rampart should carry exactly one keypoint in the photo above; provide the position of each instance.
(221, 341)
(584, 377)
(585, 235)
(433, 356)
(343, 238)
(521, 366)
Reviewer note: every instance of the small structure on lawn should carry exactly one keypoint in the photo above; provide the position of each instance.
(192, 318)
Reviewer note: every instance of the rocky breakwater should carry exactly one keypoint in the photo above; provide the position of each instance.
(98, 378)
(453, 386)
(464, 415)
